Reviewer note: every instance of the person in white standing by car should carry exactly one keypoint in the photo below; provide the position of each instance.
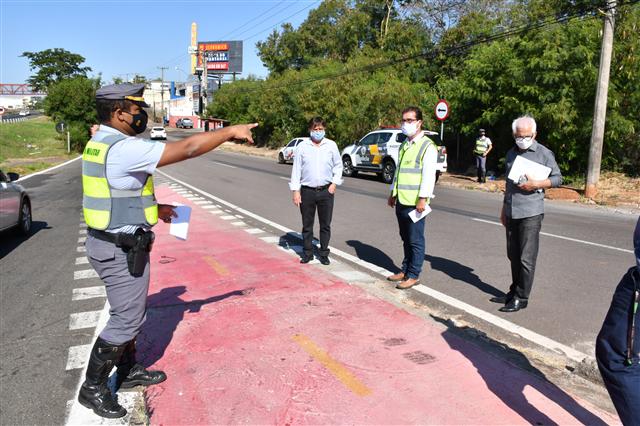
(316, 172)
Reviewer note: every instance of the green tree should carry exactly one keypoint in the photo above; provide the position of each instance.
(139, 79)
(73, 102)
(53, 66)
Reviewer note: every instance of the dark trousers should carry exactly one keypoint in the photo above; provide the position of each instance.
(523, 237)
(322, 201)
(481, 162)
(413, 241)
(622, 380)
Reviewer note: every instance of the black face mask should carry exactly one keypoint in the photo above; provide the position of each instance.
(139, 121)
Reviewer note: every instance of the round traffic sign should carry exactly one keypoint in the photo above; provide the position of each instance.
(60, 127)
(1, 110)
(442, 110)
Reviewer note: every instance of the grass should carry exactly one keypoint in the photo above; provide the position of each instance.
(31, 145)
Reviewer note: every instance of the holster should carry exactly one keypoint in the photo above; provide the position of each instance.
(137, 246)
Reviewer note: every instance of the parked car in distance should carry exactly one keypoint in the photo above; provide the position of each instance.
(377, 152)
(288, 152)
(15, 205)
(24, 112)
(158, 133)
(184, 123)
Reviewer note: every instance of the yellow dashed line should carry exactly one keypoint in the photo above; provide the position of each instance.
(335, 367)
(221, 270)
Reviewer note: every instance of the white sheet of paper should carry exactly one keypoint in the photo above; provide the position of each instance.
(179, 227)
(415, 216)
(522, 166)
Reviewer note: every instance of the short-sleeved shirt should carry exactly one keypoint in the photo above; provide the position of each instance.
(129, 162)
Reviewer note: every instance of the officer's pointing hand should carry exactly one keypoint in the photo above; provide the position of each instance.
(243, 132)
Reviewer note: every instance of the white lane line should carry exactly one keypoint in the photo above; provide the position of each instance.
(82, 239)
(239, 223)
(81, 249)
(78, 356)
(254, 231)
(227, 217)
(88, 293)
(82, 260)
(479, 313)
(575, 240)
(48, 170)
(87, 319)
(82, 275)
(226, 165)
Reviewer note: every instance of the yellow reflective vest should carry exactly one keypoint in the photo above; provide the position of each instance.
(482, 145)
(408, 177)
(106, 207)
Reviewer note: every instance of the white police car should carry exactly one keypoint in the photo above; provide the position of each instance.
(377, 152)
(158, 133)
(287, 152)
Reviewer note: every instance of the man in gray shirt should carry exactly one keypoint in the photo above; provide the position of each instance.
(523, 211)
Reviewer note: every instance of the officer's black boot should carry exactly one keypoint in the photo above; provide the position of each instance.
(479, 176)
(131, 374)
(94, 393)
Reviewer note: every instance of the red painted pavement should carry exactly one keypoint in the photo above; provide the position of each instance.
(247, 335)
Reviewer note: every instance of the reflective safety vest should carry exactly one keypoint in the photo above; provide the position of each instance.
(409, 174)
(482, 145)
(106, 207)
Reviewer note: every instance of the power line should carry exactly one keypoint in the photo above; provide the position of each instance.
(290, 16)
(457, 49)
(255, 18)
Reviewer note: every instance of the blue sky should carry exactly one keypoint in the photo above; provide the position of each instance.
(136, 36)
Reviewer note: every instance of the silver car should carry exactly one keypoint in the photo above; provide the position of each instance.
(15, 205)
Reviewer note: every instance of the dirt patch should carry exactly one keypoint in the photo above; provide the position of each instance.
(249, 150)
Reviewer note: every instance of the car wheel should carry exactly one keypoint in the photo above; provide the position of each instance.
(281, 159)
(347, 167)
(24, 221)
(388, 171)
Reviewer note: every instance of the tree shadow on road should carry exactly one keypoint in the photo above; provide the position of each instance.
(460, 272)
(509, 383)
(11, 238)
(373, 255)
(165, 310)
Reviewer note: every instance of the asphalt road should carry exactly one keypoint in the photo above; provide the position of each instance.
(466, 258)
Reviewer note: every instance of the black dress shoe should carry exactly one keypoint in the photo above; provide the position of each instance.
(139, 376)
(306, 259)
(514, 305)
(503, 300)
(325, 260)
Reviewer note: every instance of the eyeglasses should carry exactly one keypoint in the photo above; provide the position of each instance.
(525, 139)
(409, 120)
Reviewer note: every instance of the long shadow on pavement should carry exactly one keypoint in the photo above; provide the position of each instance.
(460, 272)
(11, 240)
(165, 311)
(373, 255)
(509, 384)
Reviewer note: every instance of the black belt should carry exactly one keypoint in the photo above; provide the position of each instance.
(317, 188)
(119, 239)
(109, 237)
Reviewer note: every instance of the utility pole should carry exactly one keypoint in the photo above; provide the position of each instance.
(600, 107)
(162, 90)
(205, 78)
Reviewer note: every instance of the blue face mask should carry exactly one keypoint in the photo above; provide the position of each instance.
(317, 135)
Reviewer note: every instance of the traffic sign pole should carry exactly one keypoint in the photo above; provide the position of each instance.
(442, 112)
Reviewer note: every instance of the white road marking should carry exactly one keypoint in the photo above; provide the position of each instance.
(83, 225)
(199, 202)
(254, 231)
(88, 293)
(239, 223)
(285, 178)
(81, 416)
(84, 320)
(84, 274)
(575, 240)
(352, 276)
(226, 165)
(48, 170)
(82, 231)
(227, 217)
(239, 216)
(505, 325)
(82, 239)
(78, 356)
(83, 260)
(217, 212)
(81, 249)
(209, 206)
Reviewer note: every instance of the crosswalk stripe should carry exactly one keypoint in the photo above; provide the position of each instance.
(82, 239)
(227, 217)
(82, 260)
(78, 356)
(84, 274)
(81, 249)
(88, 293)
(239, 223)
(84, 320)
(82, 232)
(254, 231)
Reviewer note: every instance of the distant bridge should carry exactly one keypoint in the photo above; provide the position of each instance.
(18, 89)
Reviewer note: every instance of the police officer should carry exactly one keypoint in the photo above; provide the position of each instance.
(482, 148)
(412, 189)
(120, 208)
(618, 343)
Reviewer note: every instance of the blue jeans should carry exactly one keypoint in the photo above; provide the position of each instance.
(622, 380)
(413, 241)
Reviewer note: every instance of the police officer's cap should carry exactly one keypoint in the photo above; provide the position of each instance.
(117, 92)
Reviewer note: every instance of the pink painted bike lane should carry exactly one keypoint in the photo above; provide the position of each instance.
(247, 335)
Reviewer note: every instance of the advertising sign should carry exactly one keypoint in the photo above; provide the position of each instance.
(225, 57)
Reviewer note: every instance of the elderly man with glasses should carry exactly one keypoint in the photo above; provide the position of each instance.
(523, 211)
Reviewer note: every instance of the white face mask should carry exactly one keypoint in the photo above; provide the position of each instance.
(409, 129)
(524, 143)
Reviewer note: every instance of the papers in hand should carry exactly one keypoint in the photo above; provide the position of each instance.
(524, 167)
(415, 216)
(180, 225)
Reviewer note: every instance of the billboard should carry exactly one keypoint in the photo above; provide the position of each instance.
(222, 57)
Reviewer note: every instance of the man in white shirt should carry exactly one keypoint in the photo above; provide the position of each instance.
(316, 172)
(412, 188)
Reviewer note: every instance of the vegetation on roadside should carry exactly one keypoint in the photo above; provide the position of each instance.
(359, 62)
